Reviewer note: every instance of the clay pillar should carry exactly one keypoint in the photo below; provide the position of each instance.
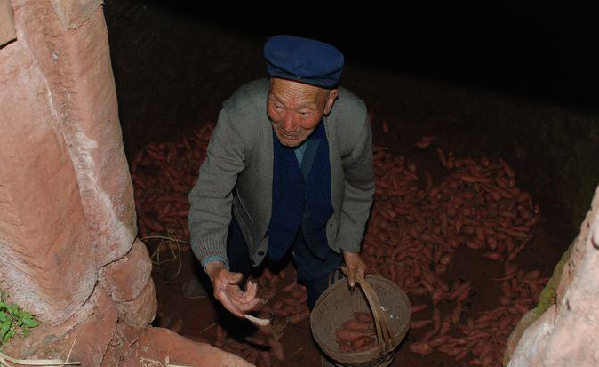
(68, 252)
(567, 334)
(67, 216)
(65, 190)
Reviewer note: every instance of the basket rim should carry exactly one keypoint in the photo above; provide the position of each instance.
(370, 354)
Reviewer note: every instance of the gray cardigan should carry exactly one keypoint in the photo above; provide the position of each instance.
(237, 172)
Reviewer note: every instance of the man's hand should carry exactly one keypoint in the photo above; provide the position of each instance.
(227, 291)
(355, 266)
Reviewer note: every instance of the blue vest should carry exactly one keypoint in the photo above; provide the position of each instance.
(301, 196)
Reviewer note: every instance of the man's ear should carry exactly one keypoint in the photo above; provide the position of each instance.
(330, 100)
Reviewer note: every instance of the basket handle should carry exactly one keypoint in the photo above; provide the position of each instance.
(381, 318)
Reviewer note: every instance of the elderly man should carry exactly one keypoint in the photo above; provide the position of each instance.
(288, 169)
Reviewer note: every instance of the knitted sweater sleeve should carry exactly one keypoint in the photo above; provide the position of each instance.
(359, 188)
(211, 198)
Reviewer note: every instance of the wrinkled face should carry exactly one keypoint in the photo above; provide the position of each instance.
(295, 109)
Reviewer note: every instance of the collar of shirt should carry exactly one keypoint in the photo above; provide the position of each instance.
(299, 152)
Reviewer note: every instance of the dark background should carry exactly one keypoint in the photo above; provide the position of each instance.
(543, 52)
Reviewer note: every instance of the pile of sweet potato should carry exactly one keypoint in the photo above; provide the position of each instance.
(162, 175)
(413, 236)
(415, 231)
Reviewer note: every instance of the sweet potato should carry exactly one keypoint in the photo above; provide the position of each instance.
(452, 351)
(276, 348)
(357, 326)
(492, 255)
(344, 347)
(455, 314)
(290, 301)
(363, 317)
(532, 275)
(486, 349)
(475, 179)
(446, 259)
(504, 300)
(437, 319)
(349, 335)
(294, 319)
(289, 287)
(506, 321)
(438, 341)
(361, 342)
(445, 324)
(418, 308)
(264, 358)
(297, 294)
(421, 348)
(417, 324)
(461, 292)
(278, 305)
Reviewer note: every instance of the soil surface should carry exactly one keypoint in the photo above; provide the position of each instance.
(172, 74)
(197, 319)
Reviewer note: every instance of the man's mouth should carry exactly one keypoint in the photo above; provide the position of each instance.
(289, 136)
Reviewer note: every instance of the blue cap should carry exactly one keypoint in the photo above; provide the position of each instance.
(303, 60)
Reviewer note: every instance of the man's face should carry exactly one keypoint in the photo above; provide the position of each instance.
(295, 109)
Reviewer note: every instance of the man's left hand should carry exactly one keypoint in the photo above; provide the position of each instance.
(355, 266)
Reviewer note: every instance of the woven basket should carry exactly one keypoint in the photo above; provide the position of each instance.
(389, 306)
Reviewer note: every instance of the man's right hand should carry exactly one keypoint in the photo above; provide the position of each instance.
(227, 291)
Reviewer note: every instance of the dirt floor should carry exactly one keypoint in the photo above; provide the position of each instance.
(172, 77)
(197, 319)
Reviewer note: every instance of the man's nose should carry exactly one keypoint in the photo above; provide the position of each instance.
(289, 124)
